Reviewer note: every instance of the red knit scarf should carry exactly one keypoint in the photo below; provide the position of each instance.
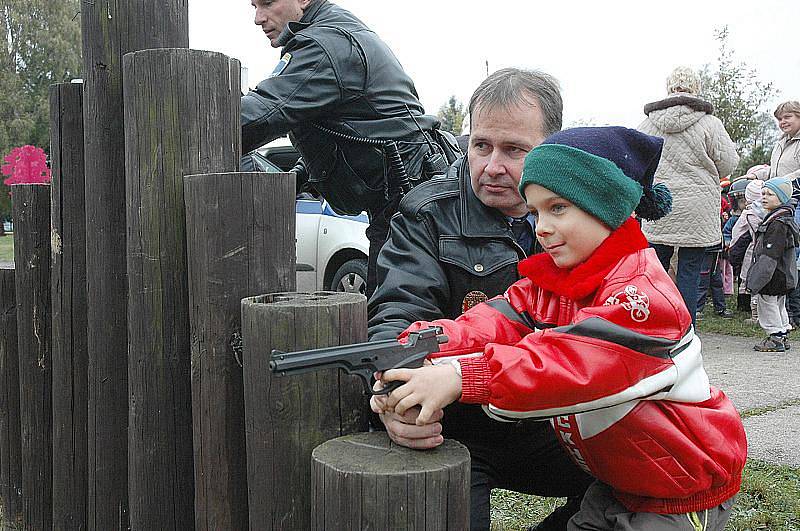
(584, 279)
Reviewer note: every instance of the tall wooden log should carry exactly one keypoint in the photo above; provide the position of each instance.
(240, 241)
(10, 446)
(182, 117)
(287, 417)
(31, 207)
(68, 284)
(110, 29)
(364, 481)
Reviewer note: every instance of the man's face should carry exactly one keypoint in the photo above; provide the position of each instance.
(567, 233)
(789, 123)
(498, 142)
(273, 15)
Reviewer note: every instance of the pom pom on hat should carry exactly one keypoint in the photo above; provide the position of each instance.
(606, 171)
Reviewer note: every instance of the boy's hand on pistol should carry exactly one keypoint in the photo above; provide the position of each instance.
(431, 387)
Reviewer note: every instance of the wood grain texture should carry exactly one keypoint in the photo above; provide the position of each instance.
(179, 105)
(110, 29)
(68, 292)
(10, 442)
(240, 231)
(287, 417)
(365, 481)
(31, 207)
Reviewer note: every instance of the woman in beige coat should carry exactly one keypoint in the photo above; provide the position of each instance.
(785, 162)
(697, 152)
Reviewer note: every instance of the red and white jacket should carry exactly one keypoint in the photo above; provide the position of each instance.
(606, 352)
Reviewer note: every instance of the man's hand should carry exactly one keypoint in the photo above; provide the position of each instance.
(403, 429)
(431, 387)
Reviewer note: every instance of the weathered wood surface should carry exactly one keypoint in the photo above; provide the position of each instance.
(68, 288)
(287, 417)
(111, 29)
(240, 230)
(31, 207)
(10, 446)
(364, 481)
(181, 117)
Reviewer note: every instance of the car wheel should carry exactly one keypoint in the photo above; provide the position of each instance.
(351, 277)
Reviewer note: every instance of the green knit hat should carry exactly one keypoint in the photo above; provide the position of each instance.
(600, 169)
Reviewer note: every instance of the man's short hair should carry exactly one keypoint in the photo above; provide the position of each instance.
(787, 106)
(511, 87)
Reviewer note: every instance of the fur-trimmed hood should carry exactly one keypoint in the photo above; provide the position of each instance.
(677, 113)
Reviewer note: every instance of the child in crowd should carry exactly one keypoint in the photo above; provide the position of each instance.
(773, 272)
(742, 236)
(595, 339)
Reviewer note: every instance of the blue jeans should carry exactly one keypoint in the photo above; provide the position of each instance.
(711, 276)
(687, 277)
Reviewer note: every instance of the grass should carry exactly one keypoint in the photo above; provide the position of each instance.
(736, 326)
(7, 248)
(769, 500)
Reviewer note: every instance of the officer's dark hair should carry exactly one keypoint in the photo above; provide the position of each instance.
(510, 87)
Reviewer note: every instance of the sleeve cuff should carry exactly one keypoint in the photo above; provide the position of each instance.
(475, 376)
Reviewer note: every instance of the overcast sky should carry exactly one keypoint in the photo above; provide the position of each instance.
(611, 57)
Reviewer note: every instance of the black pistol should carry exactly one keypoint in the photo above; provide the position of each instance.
(362, 359)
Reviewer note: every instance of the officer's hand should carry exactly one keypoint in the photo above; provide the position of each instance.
(403, 429)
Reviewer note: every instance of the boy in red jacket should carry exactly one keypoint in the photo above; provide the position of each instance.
(596, 340)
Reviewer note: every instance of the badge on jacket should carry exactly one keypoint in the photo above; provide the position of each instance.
(473, 298)
(281, 66)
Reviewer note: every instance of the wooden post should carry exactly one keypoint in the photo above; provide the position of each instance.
(240, 241)
(111, 29)
(68, 284)
(182, 117)
(10, 449)
(364, 481)
(287, 417)
(31, 206)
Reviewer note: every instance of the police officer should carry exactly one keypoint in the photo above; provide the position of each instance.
(349, 108)
(455, 243)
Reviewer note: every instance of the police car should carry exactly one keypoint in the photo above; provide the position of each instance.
(331, 248)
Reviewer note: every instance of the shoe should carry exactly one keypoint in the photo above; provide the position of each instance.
(557, 520)
(786, 344)
(771, 343)
(726, 314)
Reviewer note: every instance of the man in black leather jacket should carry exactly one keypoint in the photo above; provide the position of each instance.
(452, 246)
(350, 109)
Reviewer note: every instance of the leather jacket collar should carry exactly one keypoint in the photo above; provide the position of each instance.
(477, 220)
(292, 28)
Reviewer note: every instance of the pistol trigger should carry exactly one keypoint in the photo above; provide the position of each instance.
(388, 389)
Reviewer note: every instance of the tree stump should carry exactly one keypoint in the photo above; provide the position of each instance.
(365, 481)
(32, 279)
(181, 118)
(10, 448)
(240, 241)
(68, 288)
(286, 417)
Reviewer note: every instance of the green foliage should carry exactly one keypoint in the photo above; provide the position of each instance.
(42, 46)
(452, 115)
(738, 97)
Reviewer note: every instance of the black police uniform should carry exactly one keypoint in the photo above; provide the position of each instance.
(352, 112)
(448, 251)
